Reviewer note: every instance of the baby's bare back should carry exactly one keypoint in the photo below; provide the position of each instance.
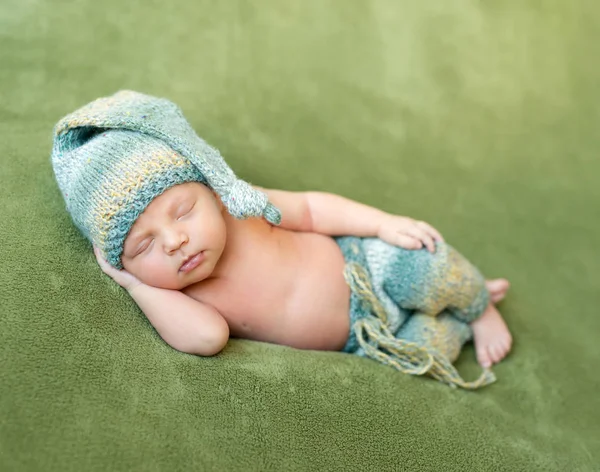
(279, 286)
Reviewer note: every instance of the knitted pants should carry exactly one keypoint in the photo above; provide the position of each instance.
(410, 308)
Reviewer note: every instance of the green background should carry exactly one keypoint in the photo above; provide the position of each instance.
(478, 117)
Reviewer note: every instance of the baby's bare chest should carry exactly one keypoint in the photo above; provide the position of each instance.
(282, 288)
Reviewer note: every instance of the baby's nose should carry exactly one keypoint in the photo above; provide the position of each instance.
(174, 240)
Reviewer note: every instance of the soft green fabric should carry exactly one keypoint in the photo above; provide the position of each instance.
(479, 117)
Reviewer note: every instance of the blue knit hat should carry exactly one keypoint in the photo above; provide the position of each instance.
(113, 156)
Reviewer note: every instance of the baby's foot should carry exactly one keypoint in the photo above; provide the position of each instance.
(497, 289)
(492, 338)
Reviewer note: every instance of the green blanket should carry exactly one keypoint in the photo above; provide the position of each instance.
(479, 117)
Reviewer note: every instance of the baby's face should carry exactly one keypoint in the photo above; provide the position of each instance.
(183, 222)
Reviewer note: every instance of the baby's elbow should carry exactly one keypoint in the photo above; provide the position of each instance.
(205, 344)
(215, 344)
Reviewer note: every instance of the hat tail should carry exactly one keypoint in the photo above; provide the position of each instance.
(162, 119)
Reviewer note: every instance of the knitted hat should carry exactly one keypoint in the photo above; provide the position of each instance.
(113, 156)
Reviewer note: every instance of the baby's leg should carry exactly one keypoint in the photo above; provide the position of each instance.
(427, 283)
(431, 283)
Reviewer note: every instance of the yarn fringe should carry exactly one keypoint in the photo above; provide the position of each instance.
(374, 336)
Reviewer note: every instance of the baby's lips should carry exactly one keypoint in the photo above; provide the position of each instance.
(192, 262)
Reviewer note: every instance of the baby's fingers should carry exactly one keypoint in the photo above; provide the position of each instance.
(99, 257)
(428, 242)
(431, 231)
(122, 277)
(407, 242)
(417, 232)
(103, 263)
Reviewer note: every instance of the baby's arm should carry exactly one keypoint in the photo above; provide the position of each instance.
(184, 323)
(334, 215)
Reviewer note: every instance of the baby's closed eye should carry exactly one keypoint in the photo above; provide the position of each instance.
(184, 210)
(143, 246)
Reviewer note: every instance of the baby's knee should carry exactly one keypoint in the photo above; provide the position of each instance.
(430, 282)
(429, 266)
(456, 269)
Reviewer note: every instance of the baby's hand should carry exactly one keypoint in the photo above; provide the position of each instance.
(122, 277)
(408, 233)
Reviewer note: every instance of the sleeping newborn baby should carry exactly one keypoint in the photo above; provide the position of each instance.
(207, 256)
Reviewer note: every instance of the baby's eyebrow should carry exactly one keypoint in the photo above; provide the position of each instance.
(136, 237)
(132, 241)
(175, 204)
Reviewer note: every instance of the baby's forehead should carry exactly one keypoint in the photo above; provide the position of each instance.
(179, 192)
(167, 202)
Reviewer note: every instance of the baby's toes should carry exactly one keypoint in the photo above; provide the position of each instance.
(506, 343)
(502, 349)
(495, 353)
(483, 356)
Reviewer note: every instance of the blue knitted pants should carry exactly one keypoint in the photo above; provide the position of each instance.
(429, 298)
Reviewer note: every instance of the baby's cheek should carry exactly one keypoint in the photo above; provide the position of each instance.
(158, 273)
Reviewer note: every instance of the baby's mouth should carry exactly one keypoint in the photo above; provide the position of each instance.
(191, 263)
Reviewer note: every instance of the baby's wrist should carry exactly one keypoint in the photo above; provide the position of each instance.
(133, 287)
(382, 221)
